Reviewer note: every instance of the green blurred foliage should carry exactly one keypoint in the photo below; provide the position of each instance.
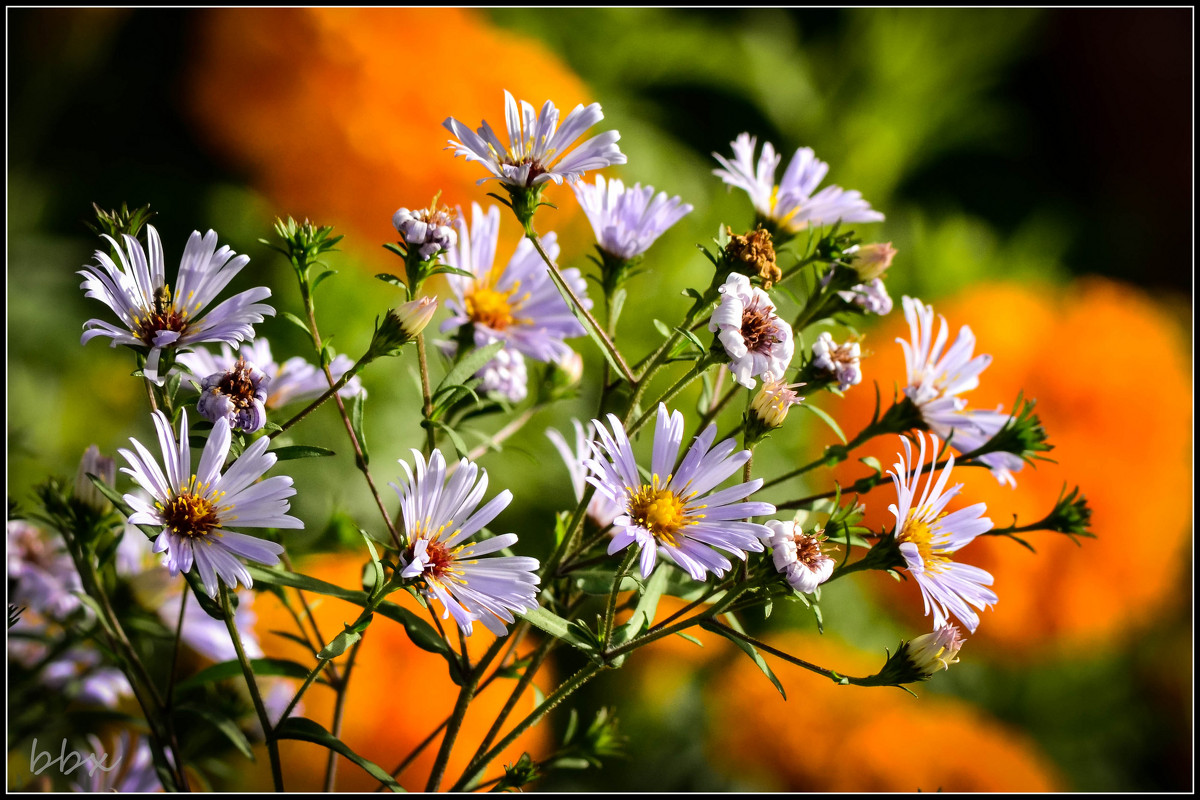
(939, 117)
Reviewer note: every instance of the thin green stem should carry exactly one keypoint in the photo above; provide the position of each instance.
(465, 694)
(522, 684)
(336, 387)
(695, 372)
(605, 341)
(501, 435)
(426, 397)
(758, 644)
(339, 707)
(610, 608)
(255, 695)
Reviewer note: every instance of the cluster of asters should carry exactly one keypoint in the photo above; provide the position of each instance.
(674, 510)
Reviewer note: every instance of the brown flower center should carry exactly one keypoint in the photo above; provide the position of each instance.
(238, 384)
(162, 317)
(190, 515)
(757, 331)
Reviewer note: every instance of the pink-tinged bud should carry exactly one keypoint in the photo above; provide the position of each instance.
(570, 367)
(402, 325)
(871, 261)
(773, 400)
(103, 468)
(937, 650)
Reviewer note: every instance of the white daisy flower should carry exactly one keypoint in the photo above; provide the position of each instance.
(791, 205)
(798, 555)
(538, 148)
(936, 379)
(195, 508)
(153, 315)
(440, 515)
(755, 339)
(628, 221)
(673, 514)
(928, 535)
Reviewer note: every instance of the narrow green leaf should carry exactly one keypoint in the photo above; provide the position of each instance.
(300, 451)
(691, 337)
(746, 648)
(451, 270)
(828, 420)
(471, 363)
(557, 627)
(376, 566)
(306, 730)
(233, 669)
(647, 606)
(327, 273)
(292, 318)
(459, 445)
(226, 726)
(112, 494)
(339, 644)
(691, 639)
(663, 328)
(356, 423)
(395, 280)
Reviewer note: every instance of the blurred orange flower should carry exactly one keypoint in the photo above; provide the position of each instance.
(832, 738)
(1110, 375)
(398, 693)
(336, 113)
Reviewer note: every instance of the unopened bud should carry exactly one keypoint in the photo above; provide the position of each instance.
(871, 261)
(934, 651)
(402, 325)
(103, 468)
(569, 369)
(770, 406)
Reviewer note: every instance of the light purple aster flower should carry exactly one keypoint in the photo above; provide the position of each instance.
(791, 204)
(128, 767)
(928, 535)
(840, 360)
(293, 381)
(195, 510)
(45, 577)
(440, 516)
(627, 221)
(518, 303)
(756, 340)
(235, 396)
(936, 379)
(80, 675)
(431, 229)
(798, 555)
(538, 148)
(871, 297)
(673, 514)
(601, 510)
(153, 315)
(505, 375)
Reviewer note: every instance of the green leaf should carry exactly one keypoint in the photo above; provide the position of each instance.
(228, 728)
(663, 328)
(557, 627)
(341, 643)
(327, 273)
(395, 280)
(451, 270)
(691, 337)
(471, 363)
(376, 567)
(828, 420)
(459, 445)
(647, 606)
(233, 669)
(300, 451)
(292, 318)
(356, 423)
(746, 648)
(306, 730)
(112, 494)
(691, 639)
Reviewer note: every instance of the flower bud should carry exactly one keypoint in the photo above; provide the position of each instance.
(402, 325)
(871, 261)
(430, 230)
(569, 370)
(103, 468)
(933, 651)
(753, 255)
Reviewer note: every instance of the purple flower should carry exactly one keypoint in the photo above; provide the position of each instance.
(673, 514)
(236, 396)
(194, 511)
(627, 221)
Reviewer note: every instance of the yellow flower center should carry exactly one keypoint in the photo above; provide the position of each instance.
(486, 306)
(927, 540)
(190, 515)
(661, 511)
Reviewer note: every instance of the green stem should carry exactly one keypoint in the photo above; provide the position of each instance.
(522, 683)
(758, 644)
(504, 433)
(610, 609)
(605, 341)
(695, 372)
(255, 696)
(466, 692)
(336, 387)
(426, 397)
(339, 707)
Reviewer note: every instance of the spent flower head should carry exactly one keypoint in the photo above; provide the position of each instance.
(799, 556)
(236, 396)
(841, 361)
(753, 337)
(754, 255)
(429, 230)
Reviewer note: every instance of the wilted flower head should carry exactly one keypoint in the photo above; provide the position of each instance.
(292, 381)
(935, 379)
(537, 151)
(839, 360)
(754, 255)
(237, 395)
(194, 511)
(927, 535)
(755, 339)
(627, 221)
(440, 515)
(672, 514)
(517, 303)
(798, 555)
(430, 230)
(790, 205)
(155, 317)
